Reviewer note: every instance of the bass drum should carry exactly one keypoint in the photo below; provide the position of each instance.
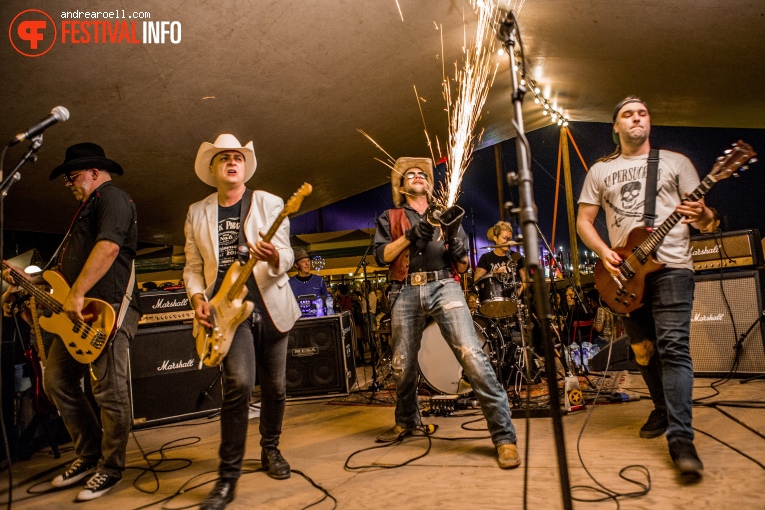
(438, 364)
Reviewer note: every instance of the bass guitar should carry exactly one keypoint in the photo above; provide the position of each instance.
(623, 293)
(84, 339)
(228, 308)
(37, 360)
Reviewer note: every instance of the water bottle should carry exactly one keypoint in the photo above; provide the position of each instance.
(319, 306)
(330, 305)
(586, 353)
(576, 354)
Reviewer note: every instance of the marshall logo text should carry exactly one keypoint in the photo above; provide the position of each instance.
(167, 365)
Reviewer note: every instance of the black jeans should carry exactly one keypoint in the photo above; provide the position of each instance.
(256, 345)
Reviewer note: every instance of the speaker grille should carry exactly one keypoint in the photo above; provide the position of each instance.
(712, 332)
(165, 384)
(319, 357)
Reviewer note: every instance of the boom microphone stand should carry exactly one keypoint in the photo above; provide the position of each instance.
(506, 31)
(374, 387)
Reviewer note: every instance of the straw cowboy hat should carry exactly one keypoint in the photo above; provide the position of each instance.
(402, 166)
(84, 156)
(224, 142)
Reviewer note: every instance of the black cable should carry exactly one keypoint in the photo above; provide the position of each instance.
(418, 433)
(608, 494)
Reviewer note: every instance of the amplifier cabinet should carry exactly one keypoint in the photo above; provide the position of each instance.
(740, 249)
(165, 383)
(714, 333)
(320, 357)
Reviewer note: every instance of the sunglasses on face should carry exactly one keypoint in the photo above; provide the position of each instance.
(70, 178)
(412, 175)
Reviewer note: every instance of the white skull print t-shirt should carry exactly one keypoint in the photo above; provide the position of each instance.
(618, 186)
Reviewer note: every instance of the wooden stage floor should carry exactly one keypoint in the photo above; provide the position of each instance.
(319, 436)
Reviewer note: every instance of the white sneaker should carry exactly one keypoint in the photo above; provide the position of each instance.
(98, 485)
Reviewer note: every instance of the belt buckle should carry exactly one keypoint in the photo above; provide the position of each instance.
(420, 278)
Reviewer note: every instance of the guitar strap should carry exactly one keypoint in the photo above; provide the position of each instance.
(243, 252)
(649, 213)
(127, 298)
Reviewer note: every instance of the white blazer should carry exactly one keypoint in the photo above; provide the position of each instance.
(201, 268)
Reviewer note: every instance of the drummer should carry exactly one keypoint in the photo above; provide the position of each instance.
(498, 260)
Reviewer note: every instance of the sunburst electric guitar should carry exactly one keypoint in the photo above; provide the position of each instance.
(84, 339)
(623, 293)
(228, 308)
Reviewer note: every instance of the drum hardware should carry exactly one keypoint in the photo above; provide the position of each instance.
(498, 295)
(439, 366)
(504, 245)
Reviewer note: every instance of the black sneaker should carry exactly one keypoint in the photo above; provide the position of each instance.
(274, 463)
(655, 425)
(76, 472)
(686, 459)
(221, 495)
(98, 485)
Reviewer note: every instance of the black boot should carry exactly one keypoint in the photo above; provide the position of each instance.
(686, 459)
(274, 463)
(221, 495)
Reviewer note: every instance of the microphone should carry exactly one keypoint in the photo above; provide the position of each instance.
(58, 114)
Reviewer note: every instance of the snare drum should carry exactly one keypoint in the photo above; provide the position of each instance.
(438, 364)
(496, 297)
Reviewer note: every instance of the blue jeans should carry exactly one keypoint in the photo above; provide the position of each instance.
(443, 301)
(256, 345)
(665, 320)
(104, 444)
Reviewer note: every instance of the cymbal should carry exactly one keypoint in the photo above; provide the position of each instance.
(505, 245)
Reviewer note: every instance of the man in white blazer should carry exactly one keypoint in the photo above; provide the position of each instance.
(212, 239)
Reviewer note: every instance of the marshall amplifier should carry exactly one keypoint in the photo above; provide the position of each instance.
(715, 330)
(320, 357)
(165, 307)
(740, 249)
(165, 383)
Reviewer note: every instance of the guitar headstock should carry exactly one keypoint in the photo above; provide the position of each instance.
(296, 200)
(733, 160)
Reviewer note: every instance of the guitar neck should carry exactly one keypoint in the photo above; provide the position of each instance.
(36, 330)
(247, 268)
(658, 235)
(43, 297)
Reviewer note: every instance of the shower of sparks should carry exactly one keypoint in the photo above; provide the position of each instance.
(427, 136)
(473, 81)
(399, 11)
(391, 160)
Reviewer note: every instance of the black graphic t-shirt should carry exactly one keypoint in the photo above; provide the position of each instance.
(490, 262)
(228, 237)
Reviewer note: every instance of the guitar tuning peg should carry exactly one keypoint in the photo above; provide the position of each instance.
(727, 151)
(753, 160)
(745, 168)
(735, 175)
(720, 158)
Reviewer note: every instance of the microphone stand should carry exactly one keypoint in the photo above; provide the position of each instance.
(506, 31)
(5, 186)
(741, 342)
(374, 387)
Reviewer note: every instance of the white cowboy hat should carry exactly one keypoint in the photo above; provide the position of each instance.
(224, 142)
(401, 167)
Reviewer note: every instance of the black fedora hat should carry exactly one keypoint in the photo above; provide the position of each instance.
(83, 156)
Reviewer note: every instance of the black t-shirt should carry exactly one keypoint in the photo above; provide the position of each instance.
(490, 262)
(108, 214)
(228, 243)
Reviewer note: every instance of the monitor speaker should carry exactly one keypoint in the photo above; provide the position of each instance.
(320, 357)
(716, 329)
(165, 383)
(620, 357)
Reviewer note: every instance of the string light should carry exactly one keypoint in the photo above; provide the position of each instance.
(556, 115)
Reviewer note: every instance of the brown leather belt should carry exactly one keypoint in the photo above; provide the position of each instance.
(423, 277)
